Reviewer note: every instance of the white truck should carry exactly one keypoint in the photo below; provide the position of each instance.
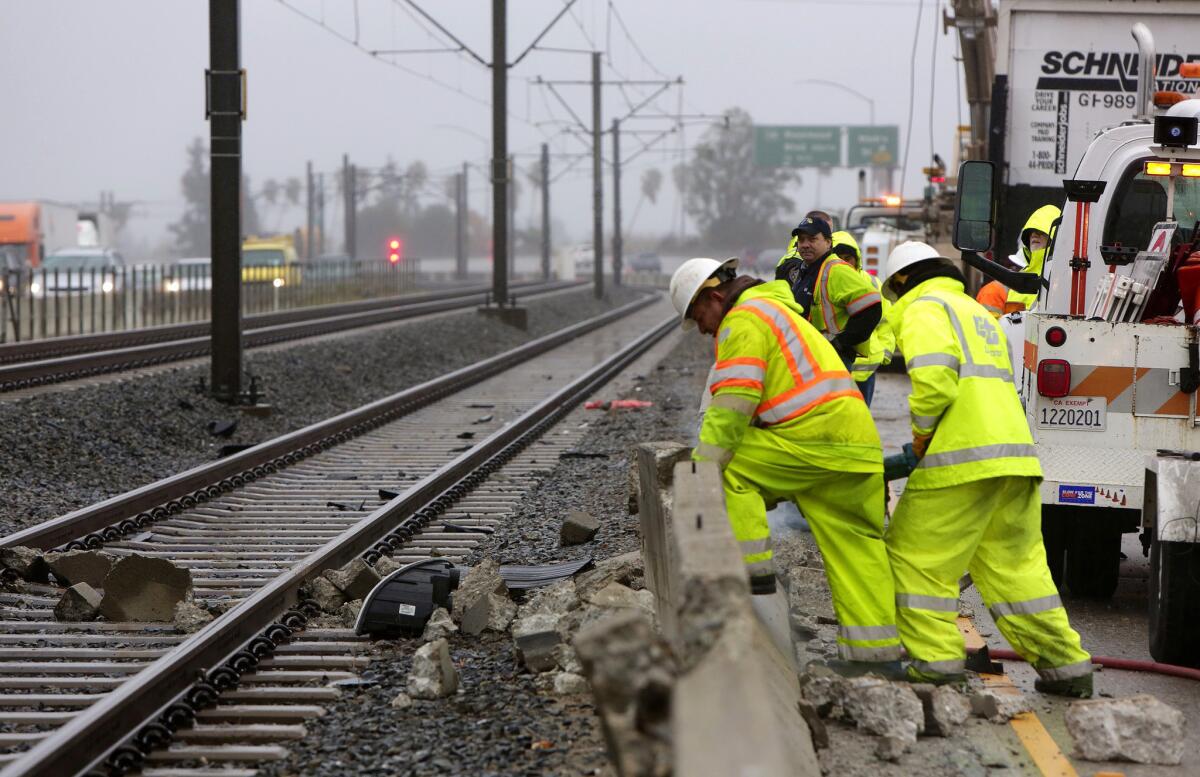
(1108, 365)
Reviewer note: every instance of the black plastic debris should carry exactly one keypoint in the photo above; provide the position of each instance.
(402, 602)
(582, 455)
(222, 428)
(447, 526)
(461, 448)
(481, 405)
(345, 506)
(522, 578)
(387, 495)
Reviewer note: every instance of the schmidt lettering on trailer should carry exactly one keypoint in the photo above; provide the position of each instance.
(1109, 71)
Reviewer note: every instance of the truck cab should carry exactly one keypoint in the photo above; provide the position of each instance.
(270, 260)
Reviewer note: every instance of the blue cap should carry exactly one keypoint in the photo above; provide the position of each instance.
(812, 227)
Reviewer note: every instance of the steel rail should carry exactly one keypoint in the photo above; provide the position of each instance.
(90, 736)
(36, 350)
(163, 497)
(33, 373)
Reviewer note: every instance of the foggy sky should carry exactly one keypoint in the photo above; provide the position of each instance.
(106, 95)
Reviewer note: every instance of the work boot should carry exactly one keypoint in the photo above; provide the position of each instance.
(914, 675)
(1075, 688)
(888, 670)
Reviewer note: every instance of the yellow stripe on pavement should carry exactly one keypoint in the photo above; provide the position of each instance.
(1042, 748)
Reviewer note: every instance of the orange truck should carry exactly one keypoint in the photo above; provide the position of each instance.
(31, 230)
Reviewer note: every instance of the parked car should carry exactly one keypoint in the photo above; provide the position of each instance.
(647, 261)
(76, 271)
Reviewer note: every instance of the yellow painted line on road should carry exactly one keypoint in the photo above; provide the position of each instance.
(1042, 748)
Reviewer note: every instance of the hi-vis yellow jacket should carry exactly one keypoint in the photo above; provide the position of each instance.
(775, 371)
(962, 388)
(1042, 220)
(883, 341)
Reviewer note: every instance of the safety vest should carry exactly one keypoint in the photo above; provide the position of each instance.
(1042, 220)
(962, 389)
(775, 371)
(993, 297)
(840, 292)
(881, 346)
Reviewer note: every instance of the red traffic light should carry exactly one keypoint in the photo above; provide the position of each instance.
(395, 249)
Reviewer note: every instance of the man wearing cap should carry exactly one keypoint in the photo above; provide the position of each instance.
(836, 298)
(786, 422)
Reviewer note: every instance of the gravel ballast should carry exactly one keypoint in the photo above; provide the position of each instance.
(68, 449)
(503, 720)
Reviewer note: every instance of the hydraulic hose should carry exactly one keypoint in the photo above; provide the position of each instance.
(1108, 662)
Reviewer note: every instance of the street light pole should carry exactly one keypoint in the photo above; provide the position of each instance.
(853, 93)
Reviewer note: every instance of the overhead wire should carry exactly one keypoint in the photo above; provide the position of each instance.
(912, 87)
(933, 81)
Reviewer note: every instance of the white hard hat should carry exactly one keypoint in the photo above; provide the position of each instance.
(693, 276)
(907, 254)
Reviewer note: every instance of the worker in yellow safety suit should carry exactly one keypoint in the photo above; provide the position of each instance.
(1030, 258)
(839, 301)
(883, 341)
(786, 422)
(972, 503)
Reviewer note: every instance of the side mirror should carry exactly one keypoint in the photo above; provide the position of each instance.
(974, 224)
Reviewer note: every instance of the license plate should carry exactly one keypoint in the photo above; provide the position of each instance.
(1076, 414)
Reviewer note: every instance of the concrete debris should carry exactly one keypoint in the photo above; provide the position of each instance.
(1140, 729)
(626, 569)
(324, 621)
(558, 599)
(816, 726)
(190, 617)
(491, 612)
(326, 595)
(569, 684)
(631, 672)
(999, 705)
(433, 675)
(889, 748)
(439, 626)
(348, 614)
(567, 659)
(536, 639)
(141, 588)
(824, 689)
(883, 708)
(386, 565)
(633, 485)
(481, 600)
(402, 701)
(945, 709)
(80, 602)
(355, 579)
(804, 628)
(615, 595)
(27, 563)
(81, 566)
(577, 528)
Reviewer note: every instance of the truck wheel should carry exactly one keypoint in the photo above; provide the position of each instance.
(1093, 561)
(1055, 530)
(1175, 603)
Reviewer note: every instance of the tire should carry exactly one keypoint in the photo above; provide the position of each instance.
(1093, 561)
(1175, 603)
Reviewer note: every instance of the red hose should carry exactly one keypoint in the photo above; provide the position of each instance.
(1127, 664)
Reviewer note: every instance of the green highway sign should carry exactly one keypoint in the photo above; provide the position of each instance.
(798, 146)
(877, 146)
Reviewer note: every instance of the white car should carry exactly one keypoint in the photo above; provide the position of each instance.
(77, 271)
(186, 275)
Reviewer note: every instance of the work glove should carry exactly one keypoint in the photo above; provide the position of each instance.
(920, 444)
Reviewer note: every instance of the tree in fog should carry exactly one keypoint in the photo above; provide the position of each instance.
(192, 232)
(652, 179)
(734, 202)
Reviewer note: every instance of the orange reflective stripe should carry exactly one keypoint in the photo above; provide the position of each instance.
(747, 360)
(863, 302)
(802, 399)
(736, 383)
(791, 343)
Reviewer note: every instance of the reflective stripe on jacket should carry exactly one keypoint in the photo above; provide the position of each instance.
(882, 344)
(840, 292)
(962, 388)
(775, 371)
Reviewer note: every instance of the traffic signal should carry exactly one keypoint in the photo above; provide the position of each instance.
(395, 250)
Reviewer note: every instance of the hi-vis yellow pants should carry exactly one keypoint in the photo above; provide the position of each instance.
(845, 512)
(992, 529)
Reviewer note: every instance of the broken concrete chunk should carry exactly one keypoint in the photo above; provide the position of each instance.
(816, 726)
(81, 566)
(348, 614)
(536, 639)
(141, 588)
(190, 617)
(326, 594)
(567, 659)
(569, 684)
(945, 708)
(355, 579)
(439, 626)
(402, 701)
(1140, 729)
(883, 708)
(557, 599)
(27, 563)
(615, 595)
(577, 528)
(627, 569)
(386, 565)
(80, 602)
(890, 748)
(999, 705)
(490, 612)
(481, 580)
(824, 689)
(433, 675)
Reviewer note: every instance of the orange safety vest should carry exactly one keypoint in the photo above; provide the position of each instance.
(994, 297)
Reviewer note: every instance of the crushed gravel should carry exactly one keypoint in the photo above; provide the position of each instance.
(68, 449)
(500, 723)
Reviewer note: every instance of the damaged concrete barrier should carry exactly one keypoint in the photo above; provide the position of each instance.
(655, 462)
(1140, 728)
(355, 580)
(81, 566)
(141, 588)
(481, 600)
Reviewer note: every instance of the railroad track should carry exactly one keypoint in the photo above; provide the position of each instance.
(39, 362)
(253, 528)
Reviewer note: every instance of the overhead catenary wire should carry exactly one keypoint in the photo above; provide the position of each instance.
(912, 87)
(933, 82)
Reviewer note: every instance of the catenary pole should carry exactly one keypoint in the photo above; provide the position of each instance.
(500, 256)
(617, 242)
(597, 184)
(546, 211)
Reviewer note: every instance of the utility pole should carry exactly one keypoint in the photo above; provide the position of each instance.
(512, 216)
(309, 236)
(499, 153)
(597, 184)
(226, 109)
(349, 185)
(320, 213)
(616, 241)
(460, 224)
(546, 211)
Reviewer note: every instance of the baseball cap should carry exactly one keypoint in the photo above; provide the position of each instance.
(812, 227)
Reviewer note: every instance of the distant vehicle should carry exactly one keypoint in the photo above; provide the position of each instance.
(583, 257)
(270, 260)
(647, 261)
(31, 230)
(879, 225)
(190, 274)
(78, 271)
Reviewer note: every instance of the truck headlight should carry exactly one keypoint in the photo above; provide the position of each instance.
(171, 286)
(277, 283)
(35, 287)
(106, 287)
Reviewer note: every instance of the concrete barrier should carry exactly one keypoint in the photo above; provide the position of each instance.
(655, 464)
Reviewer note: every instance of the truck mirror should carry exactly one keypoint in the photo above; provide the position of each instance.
(973, 220)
